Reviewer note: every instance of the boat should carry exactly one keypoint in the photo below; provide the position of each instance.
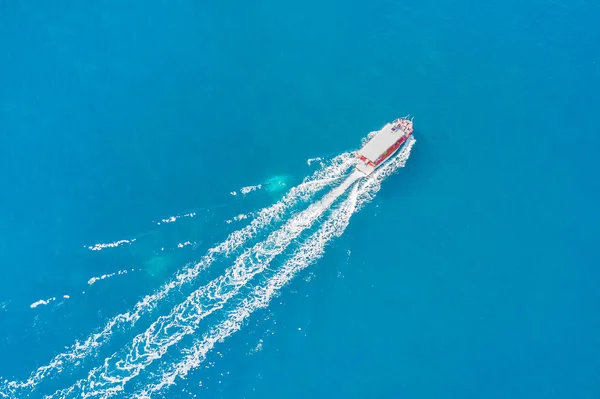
(383, 144)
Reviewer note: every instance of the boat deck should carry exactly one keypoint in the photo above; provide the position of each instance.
(365, 168)
(383, 140)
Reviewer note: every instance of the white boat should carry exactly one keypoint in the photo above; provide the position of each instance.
(383, 144)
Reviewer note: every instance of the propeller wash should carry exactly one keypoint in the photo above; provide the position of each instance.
(248, 284)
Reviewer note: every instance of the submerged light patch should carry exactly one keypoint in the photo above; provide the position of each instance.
(276, 183)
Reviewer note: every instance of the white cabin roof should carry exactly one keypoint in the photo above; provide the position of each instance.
(383, 140)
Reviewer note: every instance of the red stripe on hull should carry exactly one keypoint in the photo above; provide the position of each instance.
(391, 150)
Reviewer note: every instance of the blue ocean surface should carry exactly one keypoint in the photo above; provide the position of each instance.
(171, 223)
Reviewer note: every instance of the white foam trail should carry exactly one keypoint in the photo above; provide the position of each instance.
(261, 296)
(173, 219)
(241, 216)
(110, 378)
(311, 160)
(93, 280)
(331, 173)
(99, 247)
(42, 302)
(249, 189)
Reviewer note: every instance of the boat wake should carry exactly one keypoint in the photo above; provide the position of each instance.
(239, 285)
(260, 297)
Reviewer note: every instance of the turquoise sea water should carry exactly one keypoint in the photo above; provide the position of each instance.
(472, 273)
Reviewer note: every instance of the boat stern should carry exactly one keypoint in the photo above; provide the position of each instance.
(364, 165)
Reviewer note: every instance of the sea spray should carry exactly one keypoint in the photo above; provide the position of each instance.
(321, 178)
(307, 254)
(110, 378)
